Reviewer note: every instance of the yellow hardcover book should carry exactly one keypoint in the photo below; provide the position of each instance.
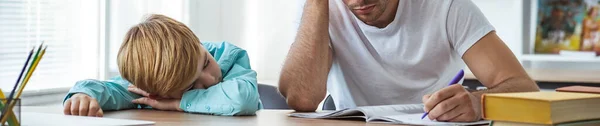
(541, 107)
(578, 123)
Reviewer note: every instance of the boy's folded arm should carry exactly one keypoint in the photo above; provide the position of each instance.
(235, 96)
(111, 94)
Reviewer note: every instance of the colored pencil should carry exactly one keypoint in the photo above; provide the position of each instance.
(12, 93)
(32, 68)
(12, 119)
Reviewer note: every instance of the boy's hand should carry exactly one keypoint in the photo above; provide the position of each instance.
(82, 105)
(160, 103)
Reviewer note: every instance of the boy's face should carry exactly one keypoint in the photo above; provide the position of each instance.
(208, 74)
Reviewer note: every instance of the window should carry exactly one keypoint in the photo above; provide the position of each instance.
(70, 28)
(84, 36)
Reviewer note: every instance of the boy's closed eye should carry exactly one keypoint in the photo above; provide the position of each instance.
(208, 73)
(206, 63)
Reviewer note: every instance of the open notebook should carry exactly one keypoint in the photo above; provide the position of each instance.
(395, 114)
(45, 119)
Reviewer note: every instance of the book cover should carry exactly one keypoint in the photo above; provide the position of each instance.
(582, 89)
(576, 123)
(541, 107)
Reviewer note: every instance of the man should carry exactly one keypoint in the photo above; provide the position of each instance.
(378, 52)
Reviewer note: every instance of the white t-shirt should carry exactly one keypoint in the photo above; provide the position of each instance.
(417, 54)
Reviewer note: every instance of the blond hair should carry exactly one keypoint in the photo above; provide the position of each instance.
(159, 55)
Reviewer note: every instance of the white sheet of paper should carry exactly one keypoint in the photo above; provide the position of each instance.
(46, 119)
(415, 119)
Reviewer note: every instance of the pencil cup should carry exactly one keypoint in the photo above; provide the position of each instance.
(13, 117)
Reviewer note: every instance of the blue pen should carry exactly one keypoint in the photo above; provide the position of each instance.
(455, 80)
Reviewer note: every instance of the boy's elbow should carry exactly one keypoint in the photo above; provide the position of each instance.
(240, 107)
(249, 104)
(245, 109)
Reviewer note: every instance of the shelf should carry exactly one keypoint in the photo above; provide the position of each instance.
(556, 75)
(557, 58)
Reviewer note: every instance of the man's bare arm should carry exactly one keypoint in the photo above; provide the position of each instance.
(304, 74)
(496, 67)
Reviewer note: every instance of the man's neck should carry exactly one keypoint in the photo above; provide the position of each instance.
(388, 15)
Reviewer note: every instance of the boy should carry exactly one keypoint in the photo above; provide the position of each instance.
(169, 69)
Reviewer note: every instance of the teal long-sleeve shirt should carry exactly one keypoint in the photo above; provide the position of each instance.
(237, 94)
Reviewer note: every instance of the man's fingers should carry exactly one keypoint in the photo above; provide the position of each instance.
(444, 107)
(75, 106)
(94, 108)
(446, 115)
(463, 118)
(67, 107)
(426, 97)
(467, 115)
(439, 96)
(457, 108)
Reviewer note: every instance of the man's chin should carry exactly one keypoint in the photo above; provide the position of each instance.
(362, 19)
(369, 22)
(365, 18)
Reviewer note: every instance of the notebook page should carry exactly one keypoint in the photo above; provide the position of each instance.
(349, 113)
(415, 119)
(45, 119)
(384, 110)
